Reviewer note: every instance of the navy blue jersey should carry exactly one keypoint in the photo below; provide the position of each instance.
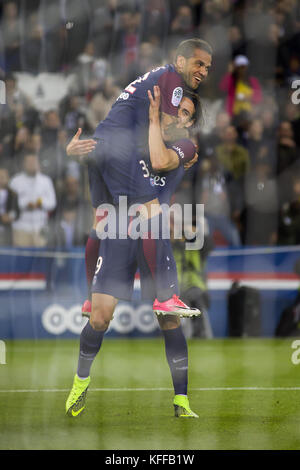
(123, 134)
(130, 112)
(167, 182)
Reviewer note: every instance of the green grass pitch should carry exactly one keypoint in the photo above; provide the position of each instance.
(246, 392)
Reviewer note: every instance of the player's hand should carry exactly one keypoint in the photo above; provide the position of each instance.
(188, 165)
(154, 103)
(80, 147)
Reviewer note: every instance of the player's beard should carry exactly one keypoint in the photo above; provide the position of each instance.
(190, 81)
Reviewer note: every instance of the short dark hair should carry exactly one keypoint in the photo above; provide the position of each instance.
(186, 48)
(198, 115)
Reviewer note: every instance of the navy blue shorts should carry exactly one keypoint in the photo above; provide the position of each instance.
(118, 262)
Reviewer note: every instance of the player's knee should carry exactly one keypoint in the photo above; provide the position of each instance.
(102, 311)
(100, 318)
(99, 324)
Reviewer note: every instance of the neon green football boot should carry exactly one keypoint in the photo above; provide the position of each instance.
(75, 403)
(182, 407)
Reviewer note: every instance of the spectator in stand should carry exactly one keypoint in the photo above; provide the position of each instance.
(34, 144)
(148, 59)
(72, 222)
(212, 191)
(22, 139)
(50, 159)
(101, 25)
(13, 115)
(289, 219)
(76, 17)
(243, 91)
(101, 102)
(260, 217)
(90, 71)
(31, 51)
(9, 209)
(125, 46)
(36, 197)
(234, 158)
(155, 22)
(287, 159)
(182, 25)
(262, 38)
(292, 114)
(237, 40)
(258, 147)
(270, 123)
(293, 69)
(74, 116)
(13, 95)
(208, 143)
(11, 36)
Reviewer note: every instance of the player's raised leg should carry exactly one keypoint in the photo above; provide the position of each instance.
(158, 255)
(91, 338)
(177, 357)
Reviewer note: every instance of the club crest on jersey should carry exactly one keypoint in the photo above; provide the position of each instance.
(177, 96)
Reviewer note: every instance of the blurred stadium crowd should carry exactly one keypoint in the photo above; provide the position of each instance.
(64, 62)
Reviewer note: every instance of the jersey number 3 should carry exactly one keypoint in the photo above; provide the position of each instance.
(146, 172)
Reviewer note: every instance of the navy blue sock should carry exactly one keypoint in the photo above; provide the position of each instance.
(159, 257)
(177, 357)
(166, 271)
(91, 255)
(90, 343)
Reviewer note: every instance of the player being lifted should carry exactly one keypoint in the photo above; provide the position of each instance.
(175, 343)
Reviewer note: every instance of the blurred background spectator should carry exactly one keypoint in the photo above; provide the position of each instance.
(11, 36)
(243, 92)
(260, 217)
(9, 209)
(212, 191)
(36, 197)
(289, 222)
(73, 219)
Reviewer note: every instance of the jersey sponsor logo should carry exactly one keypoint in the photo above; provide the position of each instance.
(180, 151)
(57, 319)
(123, 96)
(177, 96)
(127, 319)
(156, 180)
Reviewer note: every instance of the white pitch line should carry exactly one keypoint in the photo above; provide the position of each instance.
(201, 389)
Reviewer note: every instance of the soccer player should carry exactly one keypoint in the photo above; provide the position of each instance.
(122, 156)
(165, 185)
(175, 343)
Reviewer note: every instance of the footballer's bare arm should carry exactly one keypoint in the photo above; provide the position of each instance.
(162, 158)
